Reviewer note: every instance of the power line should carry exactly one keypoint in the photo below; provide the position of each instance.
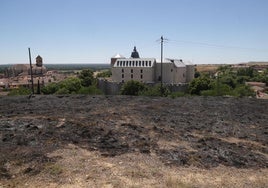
(215, 45)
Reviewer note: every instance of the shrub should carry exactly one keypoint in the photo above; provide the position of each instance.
(68, 86)
(104, 74)
(155, 91)
(71, 84)
(177, 94)
(62, 91)
(91, 90)
(132, 88)
(19, 91)
(50, 88)
(243, 91)
(199, 84)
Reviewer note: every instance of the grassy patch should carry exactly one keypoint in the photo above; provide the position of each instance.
(173, 182)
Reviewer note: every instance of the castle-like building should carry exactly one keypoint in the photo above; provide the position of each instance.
(38, 69)
(148, 70)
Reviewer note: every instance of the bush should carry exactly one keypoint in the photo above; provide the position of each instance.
(91, 90)
(104, 74)
(155, 91)
(71, 84)
(62, 91)
(19, 91)
(228, 80)
(68, 86)
(243, 91)
(50, 88)
(177, 94)
(132, 88)
(199, 84)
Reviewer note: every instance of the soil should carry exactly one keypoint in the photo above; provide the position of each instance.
(45, 138)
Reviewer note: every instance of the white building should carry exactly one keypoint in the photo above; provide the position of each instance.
(148, 70)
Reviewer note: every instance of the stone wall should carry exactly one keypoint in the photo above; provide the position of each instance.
(113, 88)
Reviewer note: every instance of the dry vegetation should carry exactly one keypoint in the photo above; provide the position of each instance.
(120, 141)
(207, 68)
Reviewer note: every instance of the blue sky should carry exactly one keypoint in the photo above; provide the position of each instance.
(91, 31)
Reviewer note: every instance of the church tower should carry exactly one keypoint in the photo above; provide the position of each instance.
(39, 61)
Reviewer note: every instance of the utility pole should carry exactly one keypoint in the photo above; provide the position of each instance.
(31, 70)
(162, 65)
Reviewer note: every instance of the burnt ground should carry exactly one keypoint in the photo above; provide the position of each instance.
(201, 132)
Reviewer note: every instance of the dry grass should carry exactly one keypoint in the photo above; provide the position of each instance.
(207, 68)
(78, 167)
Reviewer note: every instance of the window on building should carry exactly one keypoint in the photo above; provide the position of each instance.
(171, 70)
(136, 63)
(131, 70)
(131, 76)
(141, 71)
(146, 62)
(124, 63)
(122, 70)
(132, 63)
(139, 63)
(183, 75)
(141, 76)
(143, 63)
(150, 63)
(122, 75)
(127, 63)
(123, 81)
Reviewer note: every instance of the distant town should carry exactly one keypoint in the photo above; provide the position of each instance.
(175, 74)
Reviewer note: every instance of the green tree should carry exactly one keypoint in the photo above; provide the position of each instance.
(250, 72)
(72, 84)
(104, 74)
(87, 78)
(132, 88)
(51, 88)
(199, 84)
(228, 80)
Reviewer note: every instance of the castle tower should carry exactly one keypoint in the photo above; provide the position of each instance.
(114, 58)
(39, 61)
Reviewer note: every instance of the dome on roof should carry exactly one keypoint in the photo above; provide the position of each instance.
(118, 56)
(135, 53)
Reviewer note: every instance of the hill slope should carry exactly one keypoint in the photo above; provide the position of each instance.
(119, 141)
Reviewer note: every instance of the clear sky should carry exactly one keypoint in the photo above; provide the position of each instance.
(91, 31)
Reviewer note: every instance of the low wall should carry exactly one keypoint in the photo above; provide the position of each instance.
(113, 88)
(109, 88)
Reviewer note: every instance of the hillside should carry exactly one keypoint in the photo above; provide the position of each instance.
(124, 141)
